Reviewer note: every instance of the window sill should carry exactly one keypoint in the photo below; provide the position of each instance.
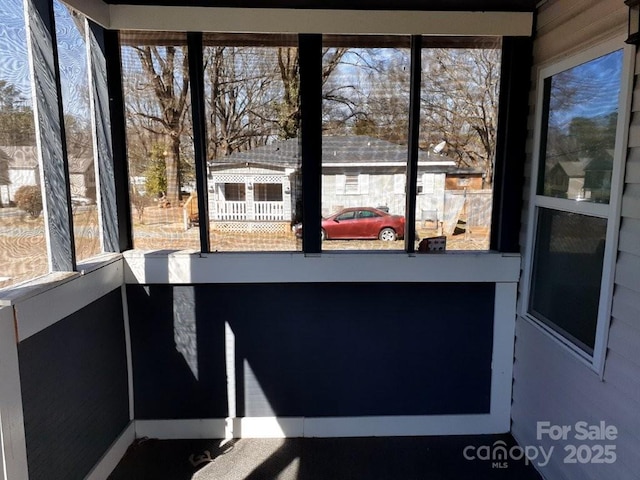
(20, 292)
(191, 267)
(563, 343)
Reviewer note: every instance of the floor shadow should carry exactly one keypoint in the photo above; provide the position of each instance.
(379, 458)
(152, 459)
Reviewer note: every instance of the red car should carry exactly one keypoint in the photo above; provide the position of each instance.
(358, 223)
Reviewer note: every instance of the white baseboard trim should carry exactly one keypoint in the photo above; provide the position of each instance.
(110, 459)
(292, 427)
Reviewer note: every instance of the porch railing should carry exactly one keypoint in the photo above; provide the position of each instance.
(229, 211)
(247, 211)
(268, 211)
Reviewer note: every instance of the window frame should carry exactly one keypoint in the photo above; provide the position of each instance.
(610, 212)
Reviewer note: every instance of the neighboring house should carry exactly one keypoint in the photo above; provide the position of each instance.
(566, 179)
(20, 166)
(255, 185)
(5, 181)
(263, 184)
(597, 177)
(586, 178)
(82, 177)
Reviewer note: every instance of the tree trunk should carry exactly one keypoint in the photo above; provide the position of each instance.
(172, 161)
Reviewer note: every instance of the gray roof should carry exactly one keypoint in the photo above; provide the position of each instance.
(25, 157)
(336, 151)
(573, 169)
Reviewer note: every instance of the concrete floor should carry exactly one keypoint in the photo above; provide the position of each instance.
(381, 458)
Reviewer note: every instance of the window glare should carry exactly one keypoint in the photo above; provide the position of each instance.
(72, 55)
(582, 107)
(22, 239)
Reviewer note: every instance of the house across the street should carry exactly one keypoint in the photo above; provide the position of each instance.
(263, 184)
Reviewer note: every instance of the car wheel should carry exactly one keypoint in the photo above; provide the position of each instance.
(388, 235)
(323, 235)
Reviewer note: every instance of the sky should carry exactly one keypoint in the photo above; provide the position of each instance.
(14, 66)
(598, 83)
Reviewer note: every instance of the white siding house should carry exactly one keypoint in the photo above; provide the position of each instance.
(20, 167)
(263, 184)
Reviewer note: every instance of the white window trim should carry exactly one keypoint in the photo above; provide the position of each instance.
(351, 187)
(611, 212)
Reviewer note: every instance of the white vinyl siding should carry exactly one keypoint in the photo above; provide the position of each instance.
(428, 183)
(363, 184)
(550, 383)
(398, 183)
(341, 181)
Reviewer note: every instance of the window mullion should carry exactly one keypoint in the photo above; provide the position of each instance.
(118, 138)
(50, 134)
(106, 186)
(196, 79)
(582, 208)
(310, 48)
(414, 133)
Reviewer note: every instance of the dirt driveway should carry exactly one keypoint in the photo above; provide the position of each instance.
(23, 247)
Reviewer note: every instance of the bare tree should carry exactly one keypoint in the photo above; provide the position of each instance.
(166, 74)
(242, 97)
(289, 108)
(460, 104)
(16, 117)
(254, 95)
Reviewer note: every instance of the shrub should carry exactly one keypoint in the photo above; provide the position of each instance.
(29, 199)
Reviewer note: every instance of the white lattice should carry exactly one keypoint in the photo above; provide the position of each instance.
(268, 178)
(258, 227)
(228, 178)
(233, 178)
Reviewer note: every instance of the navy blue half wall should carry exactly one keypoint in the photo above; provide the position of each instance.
(311, 350)
(73, 376)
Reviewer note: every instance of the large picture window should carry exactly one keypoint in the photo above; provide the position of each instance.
(252, 123)
(574, 201)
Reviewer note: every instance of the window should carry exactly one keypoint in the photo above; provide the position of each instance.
(367, 214)
(574, 204)
(458, 124)
(346, 216)
(267, 192)
(251, 104)
(234, 192)
(23, 251)
(365, 110)
(252, 108)
(155, 74)
(351, 185)
(72, 55)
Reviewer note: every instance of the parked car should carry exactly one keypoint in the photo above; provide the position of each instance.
(81, 201)
(359, 223)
